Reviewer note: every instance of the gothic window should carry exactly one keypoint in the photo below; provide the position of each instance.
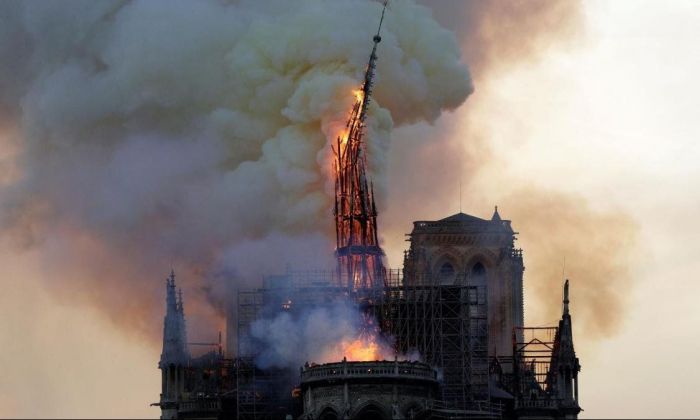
(478, 274)
(447, 273)
(478, 270)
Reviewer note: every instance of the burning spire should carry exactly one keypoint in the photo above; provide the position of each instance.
(358, 253)
(174, 332)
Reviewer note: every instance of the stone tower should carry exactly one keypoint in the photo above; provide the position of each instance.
(464, 249)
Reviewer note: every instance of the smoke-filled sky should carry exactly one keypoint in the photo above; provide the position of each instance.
(135, 137)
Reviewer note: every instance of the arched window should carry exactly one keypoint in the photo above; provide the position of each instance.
(478, 274)
(447, 273)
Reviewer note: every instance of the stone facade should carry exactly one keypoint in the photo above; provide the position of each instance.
(463, 249)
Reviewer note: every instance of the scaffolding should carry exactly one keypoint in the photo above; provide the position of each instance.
(445, 324)
(267, 393)
(248, 404)
(532, 355)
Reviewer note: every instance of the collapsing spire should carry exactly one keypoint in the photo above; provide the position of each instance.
(174, 331)
(358, 253)
(369, 73)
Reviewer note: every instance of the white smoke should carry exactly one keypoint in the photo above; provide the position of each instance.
(197, 133)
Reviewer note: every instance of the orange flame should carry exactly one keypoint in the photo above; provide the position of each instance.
(345, 132)
(364, 349)
(359, 95)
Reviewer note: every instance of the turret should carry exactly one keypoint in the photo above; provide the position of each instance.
(564, 369)
(175, 356)
(496, 217)
(174, 333)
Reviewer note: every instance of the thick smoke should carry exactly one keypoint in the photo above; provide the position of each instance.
(498, 37)
(196, 136)
(593, 248)
(320, 334)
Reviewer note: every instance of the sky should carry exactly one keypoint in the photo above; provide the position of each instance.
(610, 117)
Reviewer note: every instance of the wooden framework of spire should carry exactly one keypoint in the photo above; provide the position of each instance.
(358, 253)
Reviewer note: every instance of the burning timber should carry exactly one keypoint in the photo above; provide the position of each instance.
(357, 245)
(442, 338)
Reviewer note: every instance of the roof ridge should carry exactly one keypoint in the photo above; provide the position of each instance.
(462, 217)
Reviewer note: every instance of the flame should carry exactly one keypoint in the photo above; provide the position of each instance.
(359, 95)
(344, 133)
(363, 351)
(365, 348)
(367, 344)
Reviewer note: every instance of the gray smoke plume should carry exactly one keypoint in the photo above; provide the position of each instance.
(498, 38)
(140, 135)
(322, 334)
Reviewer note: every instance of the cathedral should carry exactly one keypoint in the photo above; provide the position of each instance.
(454, 317)
(458, 302)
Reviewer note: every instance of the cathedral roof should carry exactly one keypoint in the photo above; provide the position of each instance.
(463, 223)
(463, 218)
